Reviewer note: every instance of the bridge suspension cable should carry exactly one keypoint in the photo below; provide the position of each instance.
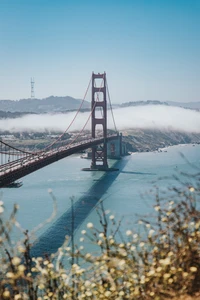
(7, 151)
(111, 106)
(58, 139)
(76, 137)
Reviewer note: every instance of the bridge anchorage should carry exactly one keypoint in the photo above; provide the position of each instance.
(113, 149)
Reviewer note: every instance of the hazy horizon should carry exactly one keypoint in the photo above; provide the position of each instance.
(88, 100)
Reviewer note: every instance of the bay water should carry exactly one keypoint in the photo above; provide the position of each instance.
(125, 193)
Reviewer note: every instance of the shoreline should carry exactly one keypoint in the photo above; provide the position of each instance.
(164, 149)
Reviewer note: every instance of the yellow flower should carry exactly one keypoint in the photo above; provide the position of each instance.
(107, 293)
(16, 261)
(89, 225)
(166, 275)
(6, 294)
(128, 232)
(9, 275)
(193, 269)
(157, 208)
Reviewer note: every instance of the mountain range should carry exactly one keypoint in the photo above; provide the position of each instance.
(50, 104)
(54, 104)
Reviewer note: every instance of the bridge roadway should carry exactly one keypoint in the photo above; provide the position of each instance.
(17, 169)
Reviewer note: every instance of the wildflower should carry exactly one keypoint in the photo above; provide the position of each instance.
(193, 269)
(87, 283)
(101, 235)
(151, 232)
(159, 269)
(83, 231)
(165, 261)
(107, 294)
(1, 203)
(41, 286)
(21, 268)
(6, 294)
(9, 275)
(111, 217)
(16, 261)
(81, 239)
(89, 225)
(121, 262)
(157, 208)
(121, 293)
(168, 213)
(166, 275)
(128, 232)
(1, 209)
(151, 272)
(141, 244)
(192, 189)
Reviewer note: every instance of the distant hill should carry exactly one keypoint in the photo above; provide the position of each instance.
(12, 115)
(189, 105)
(46, 105)
(141, 103)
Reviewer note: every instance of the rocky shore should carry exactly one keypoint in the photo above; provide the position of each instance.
(140, 140)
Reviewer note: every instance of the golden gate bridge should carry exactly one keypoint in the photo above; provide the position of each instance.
(16, 163)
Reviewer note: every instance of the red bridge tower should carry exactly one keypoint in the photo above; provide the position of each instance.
(99, 117)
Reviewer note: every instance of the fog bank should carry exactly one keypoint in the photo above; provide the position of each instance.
(143, 117)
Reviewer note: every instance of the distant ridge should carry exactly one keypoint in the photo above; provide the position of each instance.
(189, 105)
(55, 104)
(46, 105)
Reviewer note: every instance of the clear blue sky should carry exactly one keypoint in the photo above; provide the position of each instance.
(150, 49)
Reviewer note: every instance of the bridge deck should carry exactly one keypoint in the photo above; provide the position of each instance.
(19, 168)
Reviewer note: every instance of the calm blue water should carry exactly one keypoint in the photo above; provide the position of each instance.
(125, 192)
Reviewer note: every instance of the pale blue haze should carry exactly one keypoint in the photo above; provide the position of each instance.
(149, 48)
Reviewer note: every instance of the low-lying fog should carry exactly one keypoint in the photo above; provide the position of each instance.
(144, 117)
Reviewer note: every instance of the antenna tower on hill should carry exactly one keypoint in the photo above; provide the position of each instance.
(32, 88)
